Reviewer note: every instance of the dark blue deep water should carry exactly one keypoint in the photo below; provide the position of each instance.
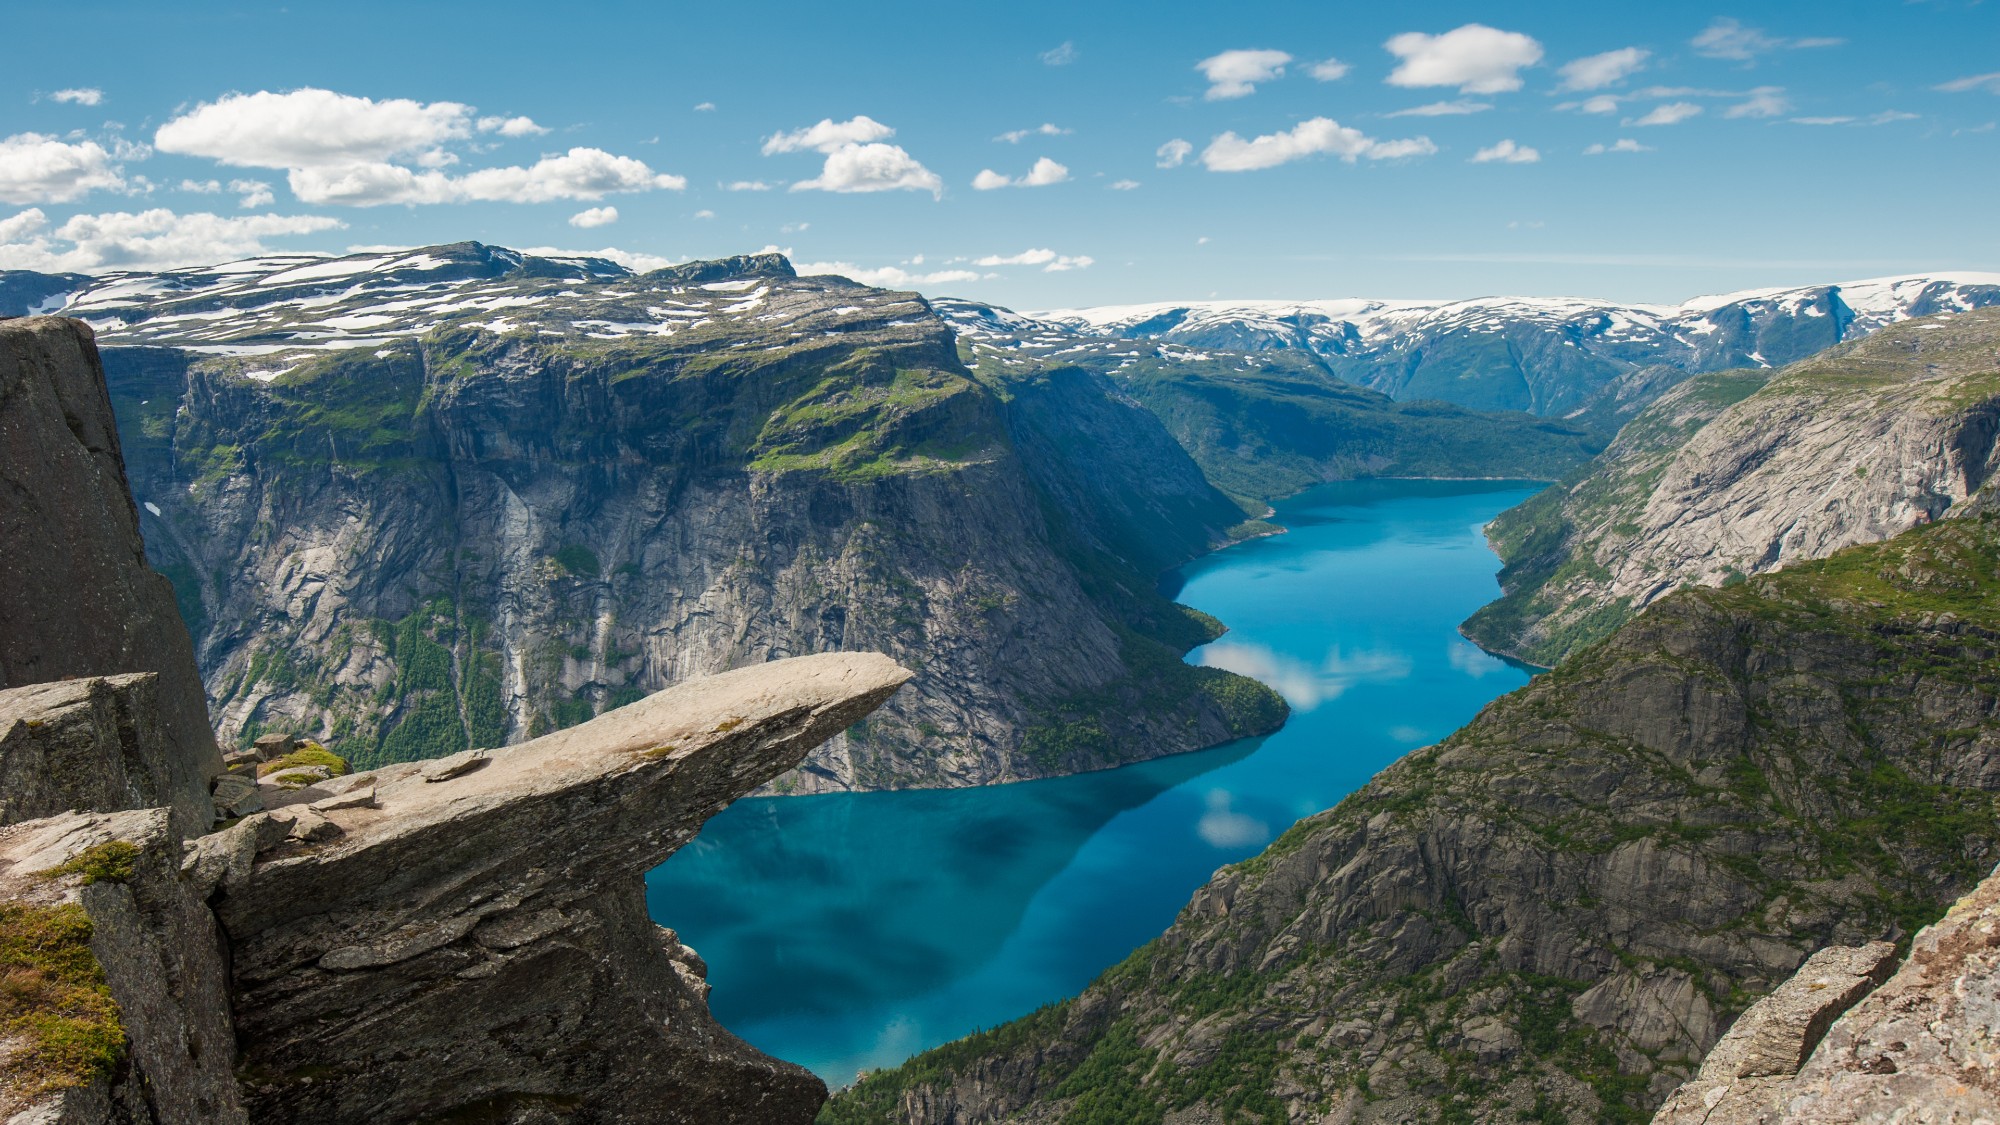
(850, 931)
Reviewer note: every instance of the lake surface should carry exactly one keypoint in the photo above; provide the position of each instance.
(850, 931)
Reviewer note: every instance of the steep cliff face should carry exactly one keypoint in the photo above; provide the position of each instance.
(1740, 473)
(491, 530)
(1553, 914)
(1264, 424)
(76, 595)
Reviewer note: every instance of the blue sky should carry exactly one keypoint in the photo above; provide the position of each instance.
(1746, 144)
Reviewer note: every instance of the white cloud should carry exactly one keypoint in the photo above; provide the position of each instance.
(581, 173)
(202, 187)
(1672, 113)
(1764, 101)
(1886, 117)
(1044, 173)
(1506, 152)
(746, 185)
(1235, 74)
(704, 213)
(1725, 38)
(1987, 82)
(828, 136)
(1314, 137)
(1045, 129)
(631, 259)
(1594, 72)
(311, 128)
(1173, 154)
(1305, 685)
(80, 95)
(511, 126)
(872, 167)
(1455, 108)
(1329, 70)
(148, 240)
(1062, 54)
(1622, 144)
(1475, 58)
(1602, 103)
(1123, 185)
(1049, 260)
(886, 277)
(253, 193)
(36, 168)
(594, 217)
(704, 107)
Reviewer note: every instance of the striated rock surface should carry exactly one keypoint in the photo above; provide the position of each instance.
(159, 952)
(76, 595)
(542, 490)
(1554, 914)
(93, 744)
(1744, 472)
(473, 939)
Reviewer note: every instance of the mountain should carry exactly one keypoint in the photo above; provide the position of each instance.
(1552, 915)
(461, 496)
(1550, 356)
(1265, 424)
(1741, 472)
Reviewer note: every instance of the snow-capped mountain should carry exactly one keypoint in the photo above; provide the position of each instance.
(1548, 355)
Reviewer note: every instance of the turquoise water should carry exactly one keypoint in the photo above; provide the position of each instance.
(851, 931)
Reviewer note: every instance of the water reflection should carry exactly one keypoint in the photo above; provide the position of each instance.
(849, 931)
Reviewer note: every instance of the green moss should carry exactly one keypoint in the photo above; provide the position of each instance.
(312, 754)
(109, 862)
(54, 1001)
(579, 560)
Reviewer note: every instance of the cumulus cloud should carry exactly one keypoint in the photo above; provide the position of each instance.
(1594, 72)
(886, 277)
(1049, 260)
(1122, 185)
(872, 167)
(1622, 144)
(1603, 103)
(594, 217)
(1329, 70)
(1173, 154)
(1044, 173)
(1672, 113)
(1062, 54)
(746, 185)
(37, 168)
(1315, 137)
(1475, 58)
(311, 128)
(79, 95)
(1987, 82)
(1506, 152)
(1725, 38)
(636, 261)
(704, 107)
(252, 193)
(1235, 74)
(828, 136)
(511, 126)
(1764, 101)
(148, 240)
(1045, 129)
(1455, 108)
(581, 173)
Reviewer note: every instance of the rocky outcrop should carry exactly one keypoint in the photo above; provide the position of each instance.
(1554, 914)
(487, 533)
(1920, 1048)
(76, 595)
(163, 1055)
(1743, 473)
(93, 744)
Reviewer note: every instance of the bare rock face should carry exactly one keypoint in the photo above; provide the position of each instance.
(161, 955)
(472, 938)
(93, 744)
(75, 592)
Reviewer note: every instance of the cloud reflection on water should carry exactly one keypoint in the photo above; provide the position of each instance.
(1474, 661)
(1304, 685)
(1224, 827)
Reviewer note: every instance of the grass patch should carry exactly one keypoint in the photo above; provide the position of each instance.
(53, 996)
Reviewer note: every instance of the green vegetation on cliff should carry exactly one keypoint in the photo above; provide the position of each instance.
(1552, 914)
(56, 1010)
